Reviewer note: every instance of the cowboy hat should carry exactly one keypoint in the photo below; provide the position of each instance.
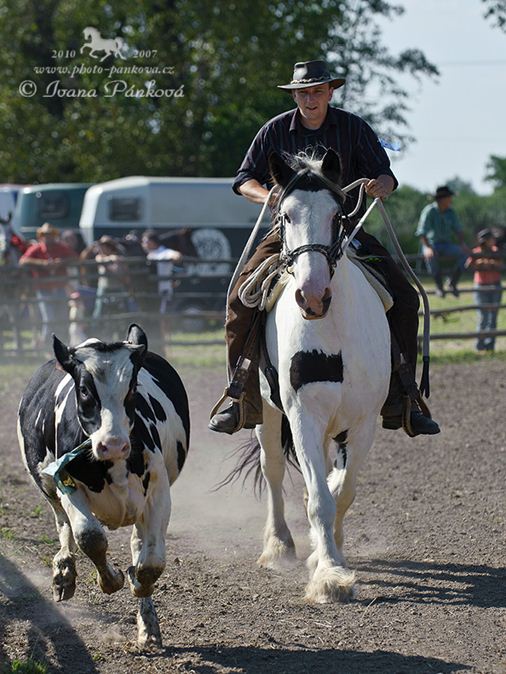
(443, 191)
(310, 74)
(47, 229)
(485, 235)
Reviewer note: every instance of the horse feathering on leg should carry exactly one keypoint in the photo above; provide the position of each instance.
(329, 340)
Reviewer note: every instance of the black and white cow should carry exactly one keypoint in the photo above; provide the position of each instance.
(132, 406)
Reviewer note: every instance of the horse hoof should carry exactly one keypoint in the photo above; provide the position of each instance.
(332, 584)
(277, 554)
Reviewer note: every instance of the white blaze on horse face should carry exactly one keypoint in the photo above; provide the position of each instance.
(112, 373)
(311, 215)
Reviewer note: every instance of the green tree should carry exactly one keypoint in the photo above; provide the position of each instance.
(225, 57)
(496, 11)
(496, 171)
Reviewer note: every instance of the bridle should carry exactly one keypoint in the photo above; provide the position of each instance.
(332, 252)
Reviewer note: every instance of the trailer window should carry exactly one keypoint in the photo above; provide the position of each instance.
(53, 205)
(125, 209)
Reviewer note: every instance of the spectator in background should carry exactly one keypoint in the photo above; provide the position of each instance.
(487, 265)
(165, 259)
(46, 260)
(439, 225)
(13, 244)
(113, 286)
(73, 239)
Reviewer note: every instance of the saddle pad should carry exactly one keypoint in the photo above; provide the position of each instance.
(374, 281)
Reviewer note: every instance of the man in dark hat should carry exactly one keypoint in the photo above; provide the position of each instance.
(314, 126)
(437, 228)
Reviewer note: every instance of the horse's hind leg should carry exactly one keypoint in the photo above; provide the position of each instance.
(278, 543)
(342, 479)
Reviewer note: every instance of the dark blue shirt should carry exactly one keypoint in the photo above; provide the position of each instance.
(359, 149)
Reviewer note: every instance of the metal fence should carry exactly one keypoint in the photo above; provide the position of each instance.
(198, 302)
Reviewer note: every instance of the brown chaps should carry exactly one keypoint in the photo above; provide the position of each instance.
(402, 317)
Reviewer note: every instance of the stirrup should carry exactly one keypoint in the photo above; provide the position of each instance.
(235, 401)
(406, 416)
(406, 412)
(235, 390)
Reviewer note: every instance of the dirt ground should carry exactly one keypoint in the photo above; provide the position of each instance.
(426, 536)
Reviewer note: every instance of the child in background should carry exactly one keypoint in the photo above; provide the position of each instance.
(487, 265)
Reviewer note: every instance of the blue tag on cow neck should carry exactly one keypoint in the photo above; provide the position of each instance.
(56, 469)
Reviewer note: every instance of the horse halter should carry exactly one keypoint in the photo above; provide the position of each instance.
(334, 251)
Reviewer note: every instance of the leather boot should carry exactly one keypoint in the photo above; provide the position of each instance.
(393, 411)
(229, 420)
(245, 413)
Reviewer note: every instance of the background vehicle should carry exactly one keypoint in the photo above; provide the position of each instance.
(57, 203)
(215, 220)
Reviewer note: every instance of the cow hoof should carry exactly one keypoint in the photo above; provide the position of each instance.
(148, 629)
(63, 589)
(142, 581)
(114, 582)
(64, 579)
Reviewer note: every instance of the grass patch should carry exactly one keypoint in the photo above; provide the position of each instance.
(196, 352)
(37, 511)
(459, 350)
(7, 534)
(28, 666)
(47, 540)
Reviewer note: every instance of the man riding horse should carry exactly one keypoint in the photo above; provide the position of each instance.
(314, 126)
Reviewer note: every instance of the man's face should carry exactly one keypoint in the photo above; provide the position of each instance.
(149, 244)
(444, 203)
(313, 103)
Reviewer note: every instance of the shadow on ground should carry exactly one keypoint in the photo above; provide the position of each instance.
(249, 660)
(434, 583)
(47, 627)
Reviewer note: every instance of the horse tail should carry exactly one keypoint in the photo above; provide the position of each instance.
(287, 443)
(249, 463)
(249, 460)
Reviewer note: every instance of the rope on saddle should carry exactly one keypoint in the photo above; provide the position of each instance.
(256, 288)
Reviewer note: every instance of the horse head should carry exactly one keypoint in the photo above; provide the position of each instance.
(308, 214)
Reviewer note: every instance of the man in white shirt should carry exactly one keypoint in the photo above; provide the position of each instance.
(165, 259)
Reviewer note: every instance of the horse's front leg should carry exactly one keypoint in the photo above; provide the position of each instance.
(278, 547)
(330, 580)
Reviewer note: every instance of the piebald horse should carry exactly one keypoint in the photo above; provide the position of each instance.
(329, 340)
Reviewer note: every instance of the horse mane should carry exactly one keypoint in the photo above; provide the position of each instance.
(309, 162)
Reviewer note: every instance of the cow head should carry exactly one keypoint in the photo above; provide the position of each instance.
(105, 379)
